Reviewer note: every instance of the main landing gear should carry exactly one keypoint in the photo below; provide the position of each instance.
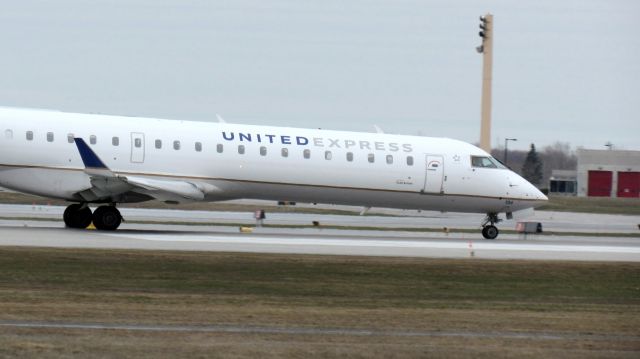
(106, 218)
(490, 231)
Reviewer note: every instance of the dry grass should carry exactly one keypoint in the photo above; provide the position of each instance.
(313, 292)
(629, 206)
(109, 344)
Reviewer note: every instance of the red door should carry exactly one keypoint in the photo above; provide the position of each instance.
(629, 184)
(600, 183)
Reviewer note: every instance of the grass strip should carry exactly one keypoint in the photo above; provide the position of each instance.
(310, 291)
(325, 280)
(627, 206)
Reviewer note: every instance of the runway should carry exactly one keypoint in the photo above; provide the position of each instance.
(41, 226)
(552, 221)
(328, 242)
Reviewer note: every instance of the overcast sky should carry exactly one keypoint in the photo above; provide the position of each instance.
(563, 70)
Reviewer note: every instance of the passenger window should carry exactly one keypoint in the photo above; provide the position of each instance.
(198, 146)
(350, 156)
(70, 138)
(49, 136)
(409, 160)
(263, 151)
(285, 152)
(29, 135)
(176, 145)
(241, 149)
(389, 159)
(327, 155)
(137, 142)
(219, 148)
(371, 158)
(93, 139)
(158, 144)
(306, 153)
(115, 141)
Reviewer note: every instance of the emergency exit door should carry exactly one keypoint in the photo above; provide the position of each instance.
(435, 174)
(137, 147)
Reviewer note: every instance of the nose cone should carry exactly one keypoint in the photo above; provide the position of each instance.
(523, 189)
(536, 194)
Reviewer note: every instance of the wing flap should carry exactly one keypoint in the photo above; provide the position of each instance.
(165, 189)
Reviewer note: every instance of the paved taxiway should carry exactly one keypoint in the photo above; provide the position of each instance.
(319, 241)
(552, 221)
(48, 231)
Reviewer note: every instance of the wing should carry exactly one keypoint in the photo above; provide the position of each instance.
(110, 186)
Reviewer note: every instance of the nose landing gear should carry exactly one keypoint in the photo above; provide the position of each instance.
(490, 231)
(106, 218)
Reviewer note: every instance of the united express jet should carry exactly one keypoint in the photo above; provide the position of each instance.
(104, 160)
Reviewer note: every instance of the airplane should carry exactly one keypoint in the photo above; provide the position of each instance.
(93, 159)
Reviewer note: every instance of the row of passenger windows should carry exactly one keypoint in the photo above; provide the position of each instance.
(284, 152)
(115, 140)
(50, 137)
(328, 155)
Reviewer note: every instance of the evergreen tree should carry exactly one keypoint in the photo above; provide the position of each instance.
(532, 167)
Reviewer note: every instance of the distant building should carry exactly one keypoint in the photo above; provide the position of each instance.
(608, 173)
(563, 183)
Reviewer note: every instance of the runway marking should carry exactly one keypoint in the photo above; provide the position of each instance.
(249, 329)
(303, 241)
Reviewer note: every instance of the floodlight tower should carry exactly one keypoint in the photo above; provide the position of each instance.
(486, 49)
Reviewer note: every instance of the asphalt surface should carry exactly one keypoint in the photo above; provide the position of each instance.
(17, 228)
(552, 221)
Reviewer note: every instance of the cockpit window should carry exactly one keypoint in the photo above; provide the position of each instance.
(486, 162)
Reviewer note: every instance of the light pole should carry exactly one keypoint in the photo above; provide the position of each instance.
(506, 143)
(486, 49)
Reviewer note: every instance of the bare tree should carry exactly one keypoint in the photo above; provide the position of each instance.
(516, 158)
(558, 156)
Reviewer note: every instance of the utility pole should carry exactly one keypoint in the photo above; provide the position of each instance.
(506, 152)
(486, 49)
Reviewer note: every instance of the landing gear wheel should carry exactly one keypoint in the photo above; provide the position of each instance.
(107, 218)
(490, 232)
(77, 216)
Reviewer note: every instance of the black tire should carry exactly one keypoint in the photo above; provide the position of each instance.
(490, 232)
(107, 218)
(77, 217)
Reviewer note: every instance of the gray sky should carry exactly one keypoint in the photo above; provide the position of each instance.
(563, 70)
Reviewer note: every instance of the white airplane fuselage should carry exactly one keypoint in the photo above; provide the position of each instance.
(183, 161)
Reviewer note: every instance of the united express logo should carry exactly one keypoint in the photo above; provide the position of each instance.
(317, 142)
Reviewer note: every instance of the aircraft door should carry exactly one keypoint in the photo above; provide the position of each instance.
(435, 174)
(137, 147)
